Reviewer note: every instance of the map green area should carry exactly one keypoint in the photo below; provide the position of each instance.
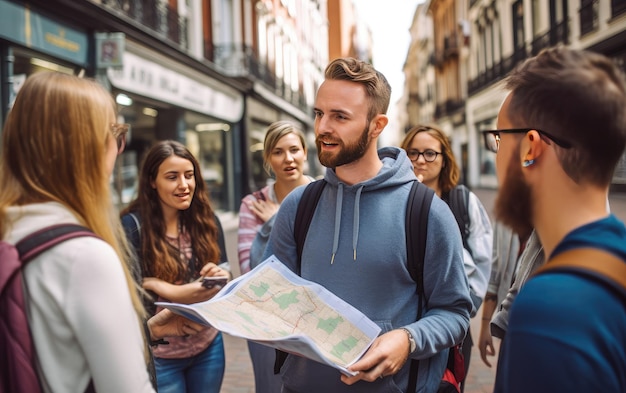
(270, 307)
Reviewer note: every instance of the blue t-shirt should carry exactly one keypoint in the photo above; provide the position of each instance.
(567, 332)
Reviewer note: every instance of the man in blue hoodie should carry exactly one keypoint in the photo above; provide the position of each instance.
(561, 131)
(356, 246)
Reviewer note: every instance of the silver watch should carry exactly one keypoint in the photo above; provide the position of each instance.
(412, 343)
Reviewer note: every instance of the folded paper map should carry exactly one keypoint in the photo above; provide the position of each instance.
(273, 306)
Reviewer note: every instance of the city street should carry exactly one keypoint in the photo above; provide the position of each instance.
(239, 378)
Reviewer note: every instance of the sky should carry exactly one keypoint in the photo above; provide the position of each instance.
(389, 22)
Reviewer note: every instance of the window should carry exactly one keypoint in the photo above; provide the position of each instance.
(618, 7)
(518, 24)
(210, 142)
(588, 16)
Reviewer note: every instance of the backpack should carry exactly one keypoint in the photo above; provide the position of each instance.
(418, 206)
(17, 352)
(458, 200)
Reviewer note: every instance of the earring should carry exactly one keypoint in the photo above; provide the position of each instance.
(527, 163)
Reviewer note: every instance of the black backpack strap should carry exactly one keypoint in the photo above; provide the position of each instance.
(416, 224)
(418, 208)
(304, 216)
(132, 228)
(458, 200)
(43, 239)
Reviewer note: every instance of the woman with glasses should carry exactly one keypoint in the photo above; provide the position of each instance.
(59, 147)
(178, 241)
(434, 164)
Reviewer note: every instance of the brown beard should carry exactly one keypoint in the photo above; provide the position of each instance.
(347, 154)
(513, 204)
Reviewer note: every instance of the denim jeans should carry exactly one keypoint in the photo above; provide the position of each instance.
(200, 373)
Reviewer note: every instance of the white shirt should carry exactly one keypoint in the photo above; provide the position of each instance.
(80, 311)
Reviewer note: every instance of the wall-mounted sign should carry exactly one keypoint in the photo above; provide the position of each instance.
(110, 49)
(28, 28)
(152, 80)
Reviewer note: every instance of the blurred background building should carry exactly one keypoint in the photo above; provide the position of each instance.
(470, 45)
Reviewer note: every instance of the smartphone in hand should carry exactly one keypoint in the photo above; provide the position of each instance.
(212, 282)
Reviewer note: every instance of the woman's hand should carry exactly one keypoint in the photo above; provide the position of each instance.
(192, 292)
(212, 270)
(165, 323)
(263, 209)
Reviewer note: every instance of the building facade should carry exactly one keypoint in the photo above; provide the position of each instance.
(210, 73)
(496, 36)
(417, 104)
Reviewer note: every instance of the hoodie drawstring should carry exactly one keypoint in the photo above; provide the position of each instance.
(337, 221)
(355, 229)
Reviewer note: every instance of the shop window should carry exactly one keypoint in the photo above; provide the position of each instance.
(27, 63)
(142, 117)
(210, 142)
(256, 137)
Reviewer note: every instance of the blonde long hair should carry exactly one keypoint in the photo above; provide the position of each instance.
(53, 149)
(275, 132)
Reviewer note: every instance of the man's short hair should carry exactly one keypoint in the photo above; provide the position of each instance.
(377, 88)
(577, 96)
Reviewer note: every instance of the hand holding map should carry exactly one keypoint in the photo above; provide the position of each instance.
(273, 306)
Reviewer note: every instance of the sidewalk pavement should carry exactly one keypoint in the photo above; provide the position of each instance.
(239, 377)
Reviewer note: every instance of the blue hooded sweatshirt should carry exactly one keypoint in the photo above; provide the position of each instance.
(356, 248)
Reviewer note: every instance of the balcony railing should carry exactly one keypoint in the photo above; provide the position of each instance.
(558, 35)
(451, 44)
(239, 60)
(496, 72)
(155, 15)
(449, 107)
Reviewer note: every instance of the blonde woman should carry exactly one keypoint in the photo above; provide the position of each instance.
(284, 154)
(59, 146)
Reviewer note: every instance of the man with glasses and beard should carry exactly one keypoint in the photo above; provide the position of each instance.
(356, 247)
(561, 131)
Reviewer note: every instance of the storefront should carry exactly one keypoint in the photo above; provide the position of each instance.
(162, 99)
(32, 42)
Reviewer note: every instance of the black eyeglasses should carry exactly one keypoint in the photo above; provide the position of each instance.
(492, 137)
(429, 155)
(119, 131)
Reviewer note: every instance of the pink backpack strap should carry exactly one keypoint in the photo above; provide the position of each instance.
(17, 352)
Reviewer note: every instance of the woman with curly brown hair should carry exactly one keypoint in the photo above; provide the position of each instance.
(178, 240)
